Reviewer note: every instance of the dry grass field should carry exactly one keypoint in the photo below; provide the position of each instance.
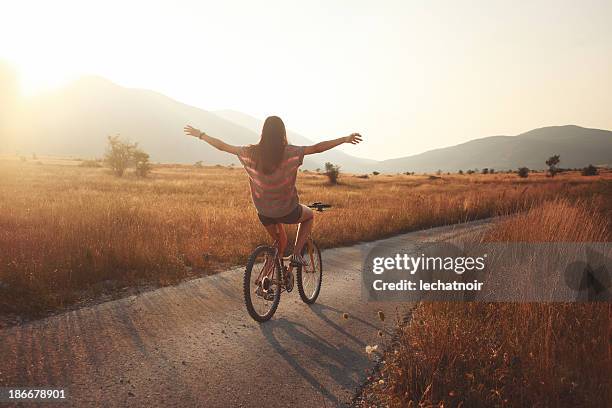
(69, 233)
(509, 354)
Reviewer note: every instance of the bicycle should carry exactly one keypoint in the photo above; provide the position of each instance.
(266, 276)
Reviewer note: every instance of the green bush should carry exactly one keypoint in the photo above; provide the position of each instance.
(120, 155)
(141, 163)
(523, 172)
(332, 172)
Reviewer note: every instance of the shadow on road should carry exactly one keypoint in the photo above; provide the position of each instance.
(320, 309)
(317, 359)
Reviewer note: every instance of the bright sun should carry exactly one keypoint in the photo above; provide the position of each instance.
(35, 78)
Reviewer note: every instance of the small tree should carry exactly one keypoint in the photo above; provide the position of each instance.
(523, 172)
(375, 173)
(118, 155)
(552, 164)
(590, 170)
(470, 171)
(141, 162)
(485, 171)
(460, 171)
(332, 172)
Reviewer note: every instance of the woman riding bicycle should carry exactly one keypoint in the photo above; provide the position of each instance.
(272, 167)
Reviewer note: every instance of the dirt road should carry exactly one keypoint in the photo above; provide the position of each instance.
(195, 345)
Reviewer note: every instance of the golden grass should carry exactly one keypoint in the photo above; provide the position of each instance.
(502, 354)
(68, 232)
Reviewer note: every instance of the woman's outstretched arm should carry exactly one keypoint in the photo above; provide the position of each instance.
(213, 141)
(354, 138)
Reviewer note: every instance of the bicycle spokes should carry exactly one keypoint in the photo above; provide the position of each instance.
(309, 276)
(267, 270)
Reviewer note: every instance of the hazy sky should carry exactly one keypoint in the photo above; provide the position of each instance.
(409, 75)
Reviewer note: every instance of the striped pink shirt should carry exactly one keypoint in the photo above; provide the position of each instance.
(274, 194)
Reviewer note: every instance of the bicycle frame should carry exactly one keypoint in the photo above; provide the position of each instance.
(269, 271)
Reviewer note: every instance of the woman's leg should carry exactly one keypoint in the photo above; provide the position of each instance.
(273, 231)
(282, 240)
(278, 234)
(306, 221)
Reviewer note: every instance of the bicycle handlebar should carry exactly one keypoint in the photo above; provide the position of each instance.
(319, 206)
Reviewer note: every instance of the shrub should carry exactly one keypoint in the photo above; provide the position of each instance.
(332, 172)
(141, 163)
(121, 154)
(471, 171)
(375, 173)
(118, 155)
(198, 164)
(523, 172)
(460, 171)
(590, 170)
(552, 164)
(485, 171)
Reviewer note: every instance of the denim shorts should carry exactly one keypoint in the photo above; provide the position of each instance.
(292, 218)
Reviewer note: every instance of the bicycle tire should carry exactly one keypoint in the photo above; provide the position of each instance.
(247, 289)
(299, 276)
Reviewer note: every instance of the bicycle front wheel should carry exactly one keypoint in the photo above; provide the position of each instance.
(262, 283)
(309, 278)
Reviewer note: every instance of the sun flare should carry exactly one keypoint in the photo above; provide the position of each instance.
(36, 77)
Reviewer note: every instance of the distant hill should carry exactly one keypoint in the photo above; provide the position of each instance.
(576, 145)
(76, 120)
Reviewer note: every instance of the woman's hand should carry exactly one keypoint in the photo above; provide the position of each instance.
(191, 131)
(353, 138)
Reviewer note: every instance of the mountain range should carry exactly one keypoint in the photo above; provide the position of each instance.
(76, 120)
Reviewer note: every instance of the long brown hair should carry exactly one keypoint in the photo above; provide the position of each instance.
(268, 153)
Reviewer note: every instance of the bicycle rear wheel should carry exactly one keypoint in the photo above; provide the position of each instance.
(262, 283)
(309, 278)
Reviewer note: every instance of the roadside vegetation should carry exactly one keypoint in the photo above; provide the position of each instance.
(121, 154)
(508, 354)
(69, 233)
